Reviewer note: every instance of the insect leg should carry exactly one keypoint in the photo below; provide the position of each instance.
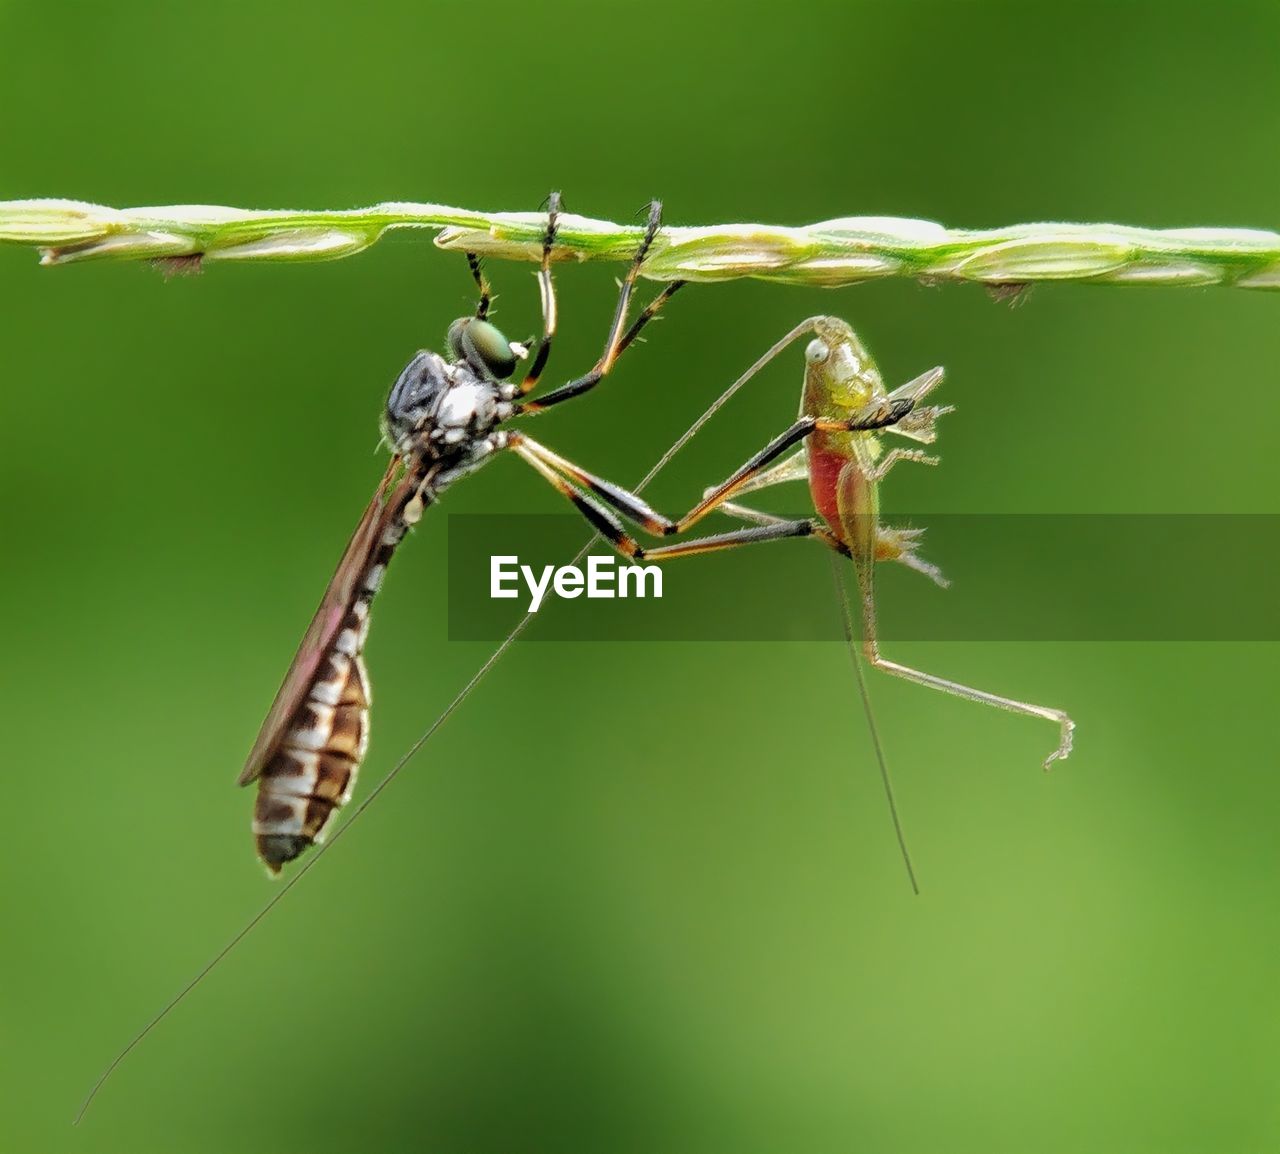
(793, 468)
(767, 527)
(755, 474)
(611, 528)
(547, 290)
(893, 456)
(482, 284)
(921, 423)
(891, 544)
(640, 511)
(743, 513)
(865, 564)
(751, 470)
(619, 337)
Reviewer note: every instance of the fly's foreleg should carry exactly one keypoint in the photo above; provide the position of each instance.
(643, 514)
(620, 337)
(482, 287)
(547, 290)
(610, 526)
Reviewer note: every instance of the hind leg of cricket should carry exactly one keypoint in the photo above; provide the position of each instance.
(871, 650)
(868, 543)
(897, 545)
(862, 533)
(620, 337)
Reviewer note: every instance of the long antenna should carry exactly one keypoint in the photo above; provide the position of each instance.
(479, 675)
(846, 617)
(304, 868)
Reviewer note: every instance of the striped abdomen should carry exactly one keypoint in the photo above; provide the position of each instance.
(312, 769)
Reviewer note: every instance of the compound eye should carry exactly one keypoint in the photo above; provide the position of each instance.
(419, 383)
(816, 352)
(416, 391)
(483, 347)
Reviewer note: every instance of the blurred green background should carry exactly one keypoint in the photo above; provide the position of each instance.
(632, 897)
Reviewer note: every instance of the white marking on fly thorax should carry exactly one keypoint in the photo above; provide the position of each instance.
(470, 404)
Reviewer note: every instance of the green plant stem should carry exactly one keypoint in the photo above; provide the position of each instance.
(831, 253)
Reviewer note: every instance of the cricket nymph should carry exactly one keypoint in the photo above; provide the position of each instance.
(440, 422)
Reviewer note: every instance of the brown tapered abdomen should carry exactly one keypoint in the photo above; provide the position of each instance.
(309, 748)
(313, 770)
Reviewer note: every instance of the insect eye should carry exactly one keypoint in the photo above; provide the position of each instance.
(482, 346)
(417, 389)
(816, 352)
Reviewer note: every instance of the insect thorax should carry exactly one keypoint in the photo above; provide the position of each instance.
(444, 410)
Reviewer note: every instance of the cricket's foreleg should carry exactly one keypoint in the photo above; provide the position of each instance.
(921, 422)
(877, 472)
(620, 337)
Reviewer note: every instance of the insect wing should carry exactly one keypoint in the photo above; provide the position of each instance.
(324, 626)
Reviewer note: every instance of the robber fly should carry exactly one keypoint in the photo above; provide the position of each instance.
(444, 418)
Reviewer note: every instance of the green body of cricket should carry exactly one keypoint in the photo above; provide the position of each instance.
(845, 466)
